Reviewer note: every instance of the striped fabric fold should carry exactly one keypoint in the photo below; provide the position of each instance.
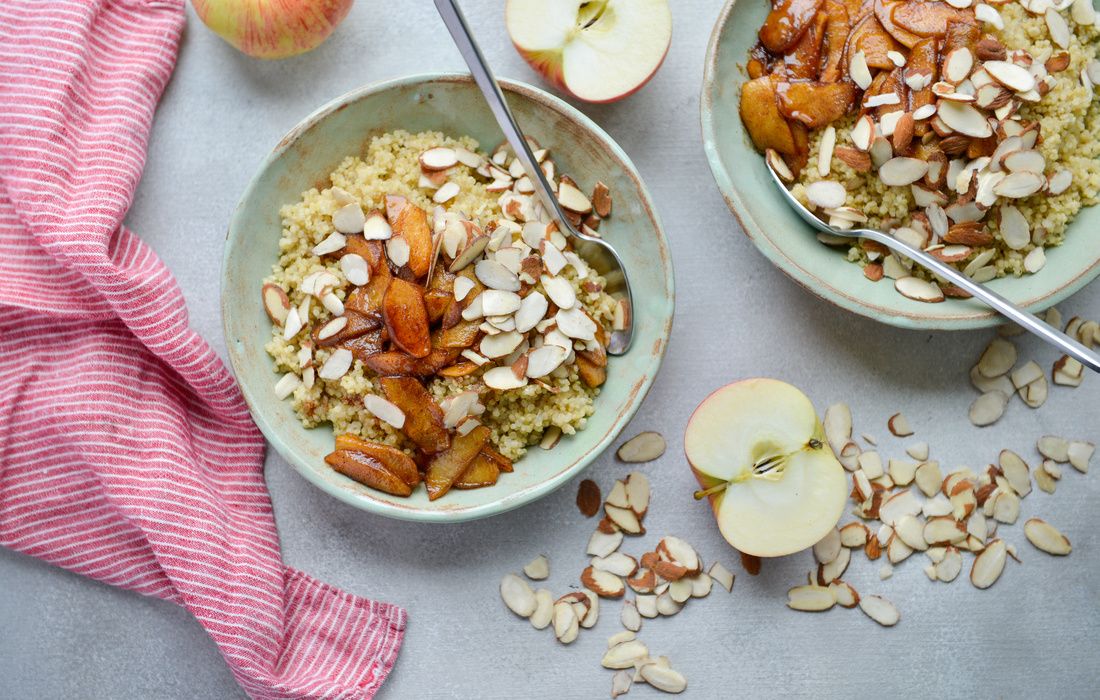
(126, 451)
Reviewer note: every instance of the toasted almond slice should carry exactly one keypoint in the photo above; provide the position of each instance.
(517, 595)
(538, 568)
(828, 548)
(810, 598)
(1016, 472)
(630, 617)
(988, 408)
(918, 289)
(643, 447)
(544, 609)
(779, 165)
(666, 605)
(989, 564)
(602, 544)
(1053, 447)
(573, 199)
(838, 426)
(1079, 453)
(826, 194)
(949, 566)
(664, 679)
(957, 64)
(276, 303)
(880, 610)
(680, 552)
(566, 623)
(827, 573)
(618, 496)
(616, 563)
(853, 535)
(1046, 537)
(637, 492)
(859, 71)
(626, 519)
(439, 158)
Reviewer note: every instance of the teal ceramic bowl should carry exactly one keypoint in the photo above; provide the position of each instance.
(449, 103)
(790, 244)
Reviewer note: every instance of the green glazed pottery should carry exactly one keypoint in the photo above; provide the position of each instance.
(449, 103)
(791, 245)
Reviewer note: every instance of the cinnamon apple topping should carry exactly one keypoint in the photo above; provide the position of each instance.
(936, 104)
(493, 304)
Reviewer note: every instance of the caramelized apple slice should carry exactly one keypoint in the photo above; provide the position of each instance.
(803, 61)
(446, 466)
(591, 374)
(369, 298)
(461, 335)
(923, 59)
(760, 114)
(370, 251)
(482, 472)
(411, 223)
(357, 324)
(884, 11)
(437, 304)
(960, 35)
(423, 417)
(503, 462)
(786, 23)
(816, 104)
(928, 18)
(365, 346)
(394, 460)
(367, 471)
(407, 317)
(874, 41)
(837, 29)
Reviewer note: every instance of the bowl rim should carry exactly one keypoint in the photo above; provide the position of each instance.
(979, 317)
(636, 396)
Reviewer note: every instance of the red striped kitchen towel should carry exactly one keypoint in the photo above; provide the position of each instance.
(126, 451)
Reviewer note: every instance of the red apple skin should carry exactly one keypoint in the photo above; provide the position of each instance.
(271, 29)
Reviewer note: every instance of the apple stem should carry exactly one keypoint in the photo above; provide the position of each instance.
(717, 488)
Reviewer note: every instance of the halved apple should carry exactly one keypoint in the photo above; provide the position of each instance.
(598, 51)
(760, 454)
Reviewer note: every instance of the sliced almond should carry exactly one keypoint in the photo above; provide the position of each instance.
(863, 133)
(626, 519)
(544, 609)
(601, 543)
(957, 64)
(1006, 507)
(833, 570)
(1046, 537)
(845, 595)
(826, 194)
(664, 679)
(918, 289)
(566, 623)
(989, 564)
(1016, 472)
(630, 617)
(680, 552)
(538, 568)
(859, 71)
(901, 171)
(643, 447)
(853, 535)
(943, 530)
(948, 568)
(828, 548)
(964, 118)
(997, 359)
(988, 408)
(517, 595)
(899, 426)
(616, 563)
(928, 478)
(337, 365)
(573, 199)
(276, 303)
(880, 610)
(666, 606)
(1079, 453)
(779, 165)
(810, 598)
(1053, 447)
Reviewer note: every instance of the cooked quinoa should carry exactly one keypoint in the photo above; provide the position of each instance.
(516, 418)
(1070, 126)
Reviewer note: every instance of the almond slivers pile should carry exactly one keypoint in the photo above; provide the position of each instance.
(663, 581)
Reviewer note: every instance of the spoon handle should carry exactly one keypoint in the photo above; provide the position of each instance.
(487, 83)
(1024, 319)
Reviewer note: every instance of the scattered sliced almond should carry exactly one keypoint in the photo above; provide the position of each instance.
(664, 679)
(643, 447)
(1046, 537)
(601, 543)
(988, 408)
(566, 623)
(899, 425)
(544, 609)
(1079, 453)
(616, 563)
(517, 595)
(810, 598)
(988, 564)
(1053, 447)
(880, 610)
(722, 575)
(918, 289)
(538, 568)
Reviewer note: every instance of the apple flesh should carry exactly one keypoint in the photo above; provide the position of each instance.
(272, 28)
(598, 51)
(759, 451)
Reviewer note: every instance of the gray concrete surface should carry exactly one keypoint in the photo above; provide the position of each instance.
(1034, 634)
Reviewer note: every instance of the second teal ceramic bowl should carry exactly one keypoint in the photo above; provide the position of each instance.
(449, 103)
(790, 244)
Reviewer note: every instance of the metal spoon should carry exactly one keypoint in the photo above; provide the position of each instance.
(596, 251)
(1026, 320)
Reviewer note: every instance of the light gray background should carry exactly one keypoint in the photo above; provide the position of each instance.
(1033, 634)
